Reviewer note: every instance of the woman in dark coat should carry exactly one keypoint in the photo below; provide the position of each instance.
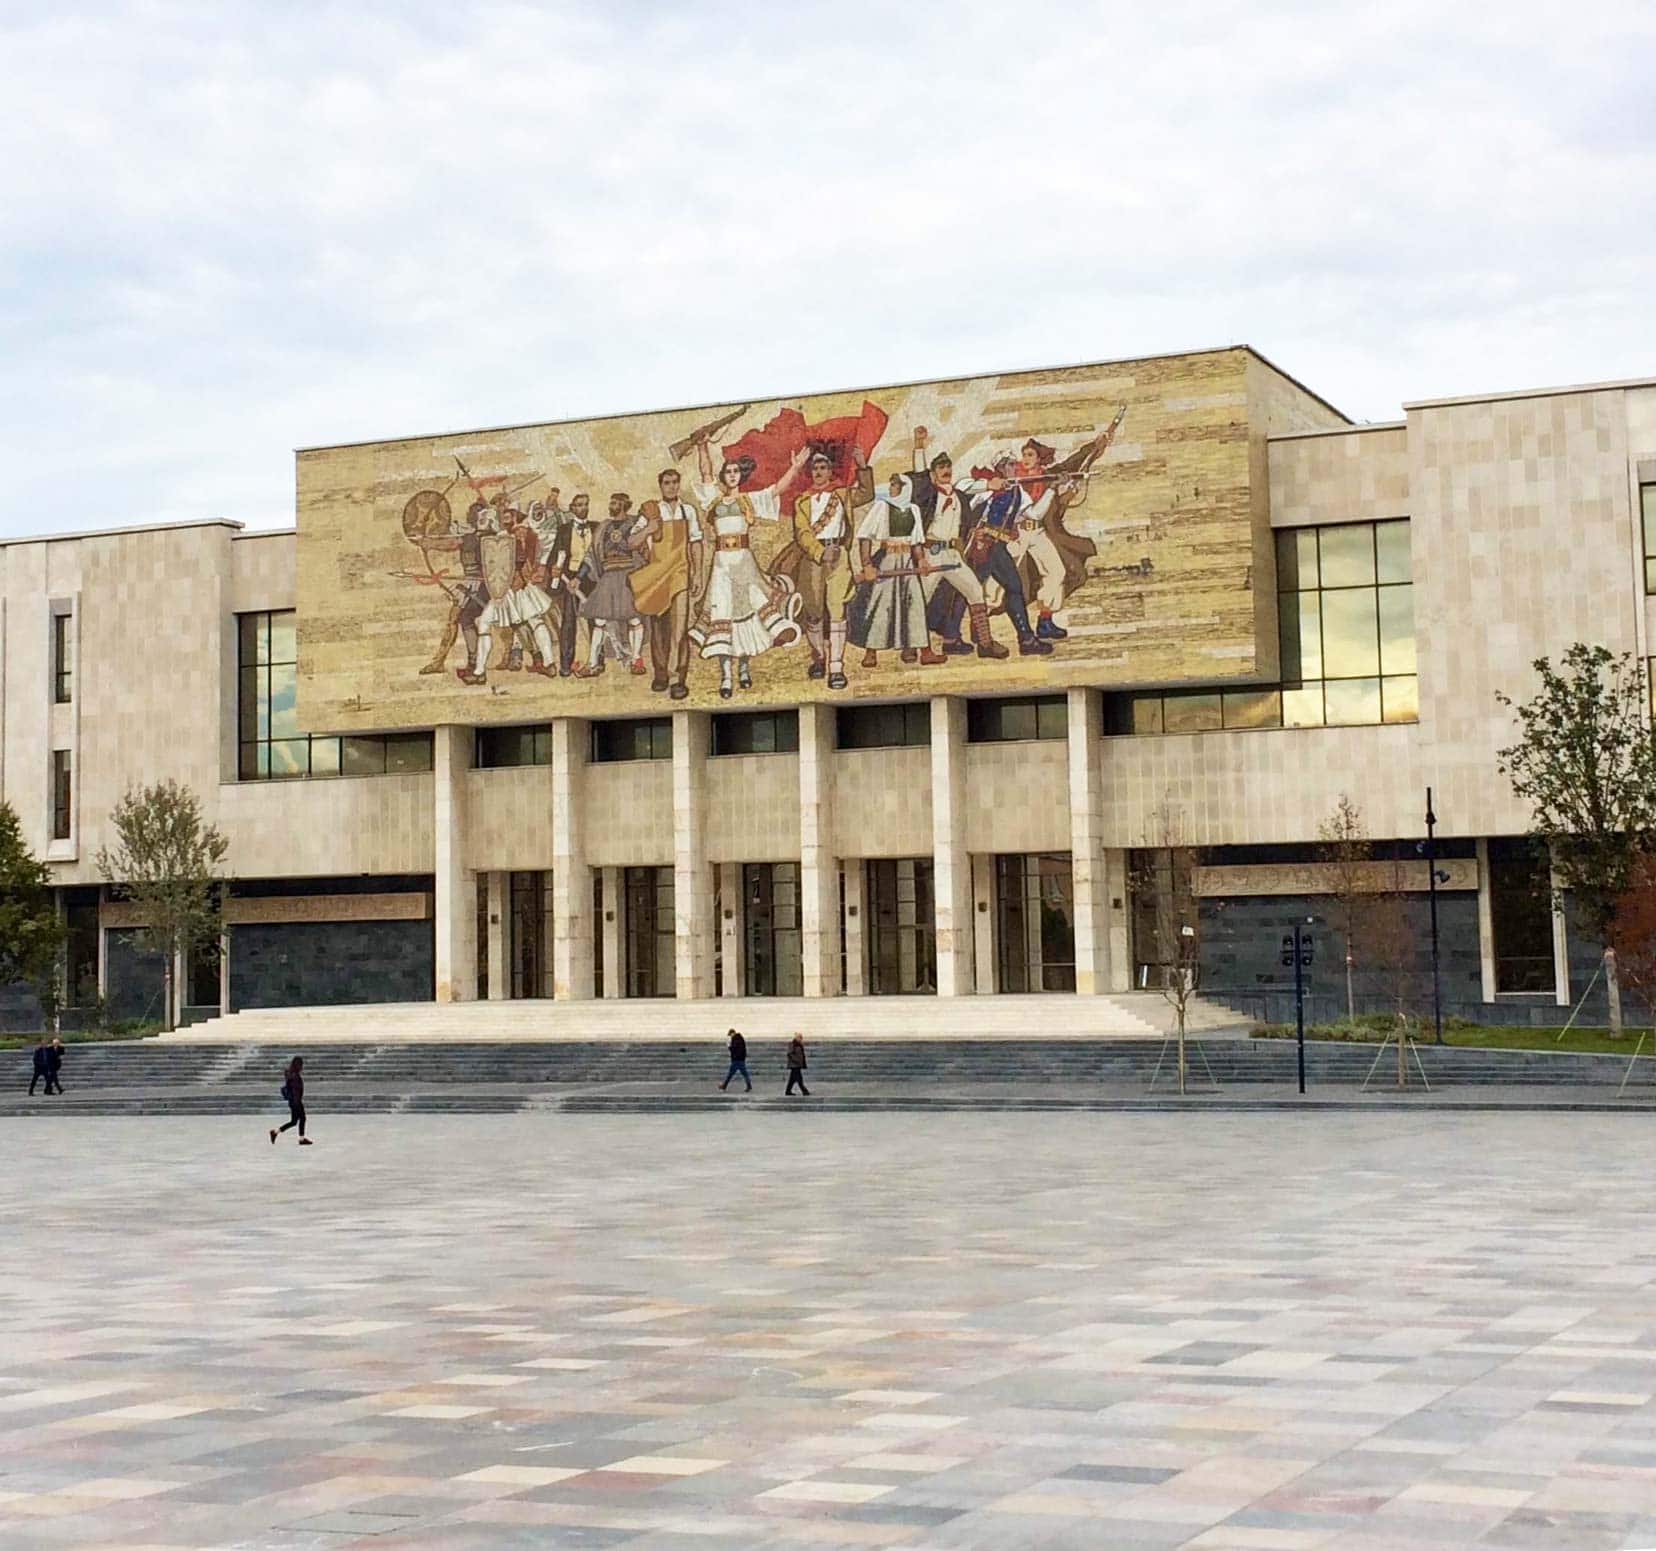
(796, 1066)
(293, 1090)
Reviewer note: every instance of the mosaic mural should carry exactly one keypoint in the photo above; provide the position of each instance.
(1093, 524)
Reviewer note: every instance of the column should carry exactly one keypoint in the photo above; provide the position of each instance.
(1087, 865)
(614, 911)
(983, 921)
(819, 905)
(1561, 944)
(856, 928)
(692, 877)
(732, 919)
(572, 924)
(951, 861)
(455, 901)
(499, 929)
(1119, 961)
(1486, 924)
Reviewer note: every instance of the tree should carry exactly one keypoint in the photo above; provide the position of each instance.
(1346, 852)
(1392, 945)
(1585, 762)
(1633, 936)
(1164, 878)
(166, 862)
(31, 934)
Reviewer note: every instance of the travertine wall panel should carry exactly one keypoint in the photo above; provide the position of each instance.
(882, 802)
(1017, 796)
(628, 818)
(1360, 475)
(751, 808)
(511, 819)
(306, 829)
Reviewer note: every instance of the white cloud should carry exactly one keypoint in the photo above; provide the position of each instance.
(230, 229)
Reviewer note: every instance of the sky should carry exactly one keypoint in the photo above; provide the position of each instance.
(230, 229)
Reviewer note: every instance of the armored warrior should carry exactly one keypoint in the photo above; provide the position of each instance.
(609, 608)
(472, 597)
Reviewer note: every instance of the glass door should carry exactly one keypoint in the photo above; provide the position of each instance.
(902, 935)
(774, 950)
(648, 953)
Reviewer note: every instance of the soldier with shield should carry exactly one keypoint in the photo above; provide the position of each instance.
(497, 560)
(428, 521)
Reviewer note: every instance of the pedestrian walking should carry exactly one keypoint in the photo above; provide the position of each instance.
(796, 1066)
(738, 1062)
(54, 1065)
(293, 1090)
(42, 1066)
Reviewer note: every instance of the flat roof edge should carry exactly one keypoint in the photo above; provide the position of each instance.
(916, 382)
(1340, 430)
(137, 527)
(1534, 393)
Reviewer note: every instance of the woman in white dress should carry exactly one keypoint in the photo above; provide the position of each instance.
(743, 612)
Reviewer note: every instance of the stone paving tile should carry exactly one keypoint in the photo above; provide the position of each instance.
(1133, 1332)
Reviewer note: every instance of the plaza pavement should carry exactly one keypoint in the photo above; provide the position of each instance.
(730, 1331)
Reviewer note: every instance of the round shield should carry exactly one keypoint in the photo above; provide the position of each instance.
(427, 515)
(499, 555)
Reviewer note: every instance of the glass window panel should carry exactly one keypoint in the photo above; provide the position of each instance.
(1391, 544)
(1346, 554)
(361, 756)
(1650, 575)
(324, 756)
(1253, 708)
(249, 627)
(761, 735)
(1351, 640)
(289, 757)
(1017, 721)
(1147, 713)
(1303, 707)
(284, 700)
(1192, 713)
(1647, 503)
(411, 752)
(1352, 702)
(283, 646)
(248, 703)
(917, 724)
(1052, 719)
(1397, 639)
(1302, 656)
(261, 702)
(1400, 698)
(787, 732)
(1296, 559)
(249, 766)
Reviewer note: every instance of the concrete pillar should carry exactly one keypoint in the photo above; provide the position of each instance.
(983, 922)
(1119, 941)
(951, 860)
(692, 877)
(819, 906)
(454, 892)
(856, 927)
(498, 886)
(1561, 944)
(1087, 865)
(732, 926)
(1486, 924)
(572, 924)
(614, 910)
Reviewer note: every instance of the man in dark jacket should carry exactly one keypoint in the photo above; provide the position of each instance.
(738, 1062)
(796, 1066)
(42, 1066)
(54, 1065)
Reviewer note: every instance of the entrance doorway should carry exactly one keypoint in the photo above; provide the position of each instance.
(529, 939)
(902, 927)
(648, 958)
(1035, 922)
(773, 951)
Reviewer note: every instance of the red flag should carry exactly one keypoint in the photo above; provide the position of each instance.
(773, 445)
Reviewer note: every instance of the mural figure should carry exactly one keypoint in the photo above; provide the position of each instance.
(951, 586)
(525, 607)
(992, 522)
(887, 610)
(670, 582)
(743, 613)
(471, 597)
(555, 568)
(614, 629)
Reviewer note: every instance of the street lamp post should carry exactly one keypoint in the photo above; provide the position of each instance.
(1432, 883)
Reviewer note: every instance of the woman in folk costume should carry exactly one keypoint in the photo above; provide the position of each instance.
(743, 612)
(887, 611)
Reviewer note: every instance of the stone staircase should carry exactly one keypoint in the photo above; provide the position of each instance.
(1128, 1016)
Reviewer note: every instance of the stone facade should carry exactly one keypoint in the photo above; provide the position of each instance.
(1525, 536)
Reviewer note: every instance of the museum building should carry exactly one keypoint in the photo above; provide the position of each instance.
(1353, 600)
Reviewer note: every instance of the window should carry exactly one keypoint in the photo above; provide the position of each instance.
(63, 793)
(642, 737)
(80, 954)
(63, 658)
(1520, 910)
(500, 747)
(756, 732)
(1345, 610)
(272, 747)
(1021, 719)
(884, 726)
(1647, 517)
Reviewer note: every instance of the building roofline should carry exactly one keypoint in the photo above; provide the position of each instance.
(1340, 430)
(137, 527)
(1533, 393)
(918, 382)
(265, 533)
